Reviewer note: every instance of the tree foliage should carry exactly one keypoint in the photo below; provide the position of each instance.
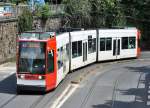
(18, 1)
(77, 12)
(138, 14)
(25, 21)
(42, 11)
(104, 13)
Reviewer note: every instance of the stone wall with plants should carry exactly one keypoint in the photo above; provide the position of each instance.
(8, 34)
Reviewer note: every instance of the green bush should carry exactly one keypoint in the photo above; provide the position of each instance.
(43, 11)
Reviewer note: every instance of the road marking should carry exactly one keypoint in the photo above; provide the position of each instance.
(64, 96)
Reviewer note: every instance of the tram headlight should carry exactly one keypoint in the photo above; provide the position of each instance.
(22, 76)
(41, 77)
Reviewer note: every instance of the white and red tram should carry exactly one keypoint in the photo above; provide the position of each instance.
(44, 58)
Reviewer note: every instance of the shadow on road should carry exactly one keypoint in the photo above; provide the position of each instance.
(120, 104)
(8, 85)
(141, 93)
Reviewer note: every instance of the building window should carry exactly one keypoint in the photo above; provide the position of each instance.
(76, 49)
(124, 42)
(50, 61)
(108, 44)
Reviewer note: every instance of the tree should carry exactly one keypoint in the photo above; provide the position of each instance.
(108, 13)
(43, 12)
(77, 12)
(138, 14)
(25, 21)
(94, 13)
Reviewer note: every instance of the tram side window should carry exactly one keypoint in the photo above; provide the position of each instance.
(76, 49)
(131, 42)
(102, 44)
(91, 44)
(67, 50)
(79, 48)
(51, 61)
(108, 44)
(94, 45)
(124, 42)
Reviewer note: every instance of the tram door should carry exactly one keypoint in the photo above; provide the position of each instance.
(84, 51)
(116, 47)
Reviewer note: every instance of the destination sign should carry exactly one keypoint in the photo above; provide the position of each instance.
(31, 44)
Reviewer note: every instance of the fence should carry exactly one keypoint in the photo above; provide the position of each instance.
(17, 10)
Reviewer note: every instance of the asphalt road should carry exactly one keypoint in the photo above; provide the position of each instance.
(10, 99)
(122, 84)
(119, 85)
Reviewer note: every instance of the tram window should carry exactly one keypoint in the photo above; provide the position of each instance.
(124, 42)
(74, 49)
(102, 44)
(94, 45)
(79, 48)
(67, 50)
(108, 44)
(50, 61)
(90, 44)
(131, 42)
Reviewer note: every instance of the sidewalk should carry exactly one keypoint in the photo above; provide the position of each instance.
(8, 67)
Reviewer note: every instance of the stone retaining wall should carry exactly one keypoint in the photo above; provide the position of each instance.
(8, 31)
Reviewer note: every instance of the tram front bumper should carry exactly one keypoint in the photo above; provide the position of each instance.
(30, 88)
(31, 85)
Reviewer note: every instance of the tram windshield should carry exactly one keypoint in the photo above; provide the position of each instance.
(32, 57)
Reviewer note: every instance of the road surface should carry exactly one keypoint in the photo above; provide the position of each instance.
(119, 85)
(122, 84)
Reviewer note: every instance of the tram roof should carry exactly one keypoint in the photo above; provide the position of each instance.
(36, 35)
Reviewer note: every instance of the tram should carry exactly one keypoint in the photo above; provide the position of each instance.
(45, 58)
